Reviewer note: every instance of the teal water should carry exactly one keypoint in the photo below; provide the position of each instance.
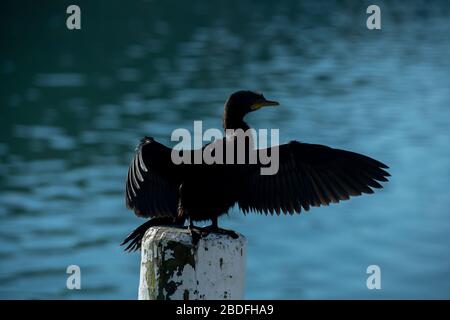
(75, 103)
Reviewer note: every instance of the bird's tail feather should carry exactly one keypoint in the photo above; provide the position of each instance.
(135, 237)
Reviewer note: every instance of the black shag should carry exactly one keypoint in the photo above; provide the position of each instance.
(309, 175)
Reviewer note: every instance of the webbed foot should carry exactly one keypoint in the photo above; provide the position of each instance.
(215, 229)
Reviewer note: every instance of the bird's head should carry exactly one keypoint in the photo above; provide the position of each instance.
(242, 102)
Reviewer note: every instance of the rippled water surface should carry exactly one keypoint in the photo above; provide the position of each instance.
(74, 104)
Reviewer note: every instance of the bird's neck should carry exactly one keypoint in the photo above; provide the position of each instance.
(234, 123)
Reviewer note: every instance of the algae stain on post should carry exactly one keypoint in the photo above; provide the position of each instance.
(173, 268)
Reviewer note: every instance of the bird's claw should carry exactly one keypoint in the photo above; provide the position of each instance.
(226, 232)
(198, 233)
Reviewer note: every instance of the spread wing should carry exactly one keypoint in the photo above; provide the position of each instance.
(310, 175)
(151, 185)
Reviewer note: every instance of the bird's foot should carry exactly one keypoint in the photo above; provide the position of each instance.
(197, 233)
(205, 231)
(215, 229)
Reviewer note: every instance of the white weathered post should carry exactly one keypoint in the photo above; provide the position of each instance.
(173, 268)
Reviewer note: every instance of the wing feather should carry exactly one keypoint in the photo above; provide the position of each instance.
(152, 181)
(310, 175)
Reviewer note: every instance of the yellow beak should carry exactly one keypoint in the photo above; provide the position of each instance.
(264, 103)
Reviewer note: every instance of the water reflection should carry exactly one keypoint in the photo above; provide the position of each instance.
(72, 112)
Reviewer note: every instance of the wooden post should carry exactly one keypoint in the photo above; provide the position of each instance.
(173, 268)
